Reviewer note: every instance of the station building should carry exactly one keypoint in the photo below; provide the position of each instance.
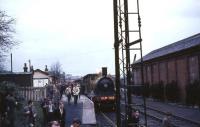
(32, 78)
(40, 78)
(179, 62)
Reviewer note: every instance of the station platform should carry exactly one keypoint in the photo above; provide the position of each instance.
(83, 110)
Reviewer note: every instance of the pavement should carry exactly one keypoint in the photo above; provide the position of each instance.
(83, 110)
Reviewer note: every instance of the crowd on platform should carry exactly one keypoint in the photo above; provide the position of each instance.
(53, 108)
(54, 111)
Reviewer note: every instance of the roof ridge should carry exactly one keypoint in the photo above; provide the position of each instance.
(177, 46)
(175, 43)
(44, 72)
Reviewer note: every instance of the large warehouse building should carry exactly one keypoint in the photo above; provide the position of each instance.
(179, 62)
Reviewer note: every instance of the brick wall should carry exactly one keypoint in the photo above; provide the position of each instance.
(145, 73)
(137, 75)
(163, 71)
(149, 78)
(171, 67)
(182, 74)
(193, 68)
(155, 73)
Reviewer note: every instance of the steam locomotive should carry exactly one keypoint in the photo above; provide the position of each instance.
(103, 94)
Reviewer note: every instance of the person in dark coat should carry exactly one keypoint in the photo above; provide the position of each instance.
(60, 114)
(10, 107)
(30, 114)
(68, 92)
(135, 118)
(62, 90)
(50, 111)
(44, 106)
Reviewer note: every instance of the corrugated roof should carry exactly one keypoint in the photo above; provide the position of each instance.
(174, 47)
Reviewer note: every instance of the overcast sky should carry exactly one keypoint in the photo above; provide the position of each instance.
(79, 33)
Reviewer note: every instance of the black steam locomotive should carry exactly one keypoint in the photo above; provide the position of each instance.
(104, 92)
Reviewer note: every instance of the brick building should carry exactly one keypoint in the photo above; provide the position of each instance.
(179, 62)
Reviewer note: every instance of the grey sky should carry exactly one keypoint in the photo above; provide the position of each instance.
(79, 33)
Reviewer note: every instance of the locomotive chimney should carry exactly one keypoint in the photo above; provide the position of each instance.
(104, 71)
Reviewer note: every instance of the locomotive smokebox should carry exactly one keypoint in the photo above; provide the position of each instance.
(104, 71)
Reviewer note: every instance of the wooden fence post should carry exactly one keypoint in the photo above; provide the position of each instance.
(32, 93)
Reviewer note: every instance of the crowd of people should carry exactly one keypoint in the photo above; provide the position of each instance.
(54, 111)
(53, 108)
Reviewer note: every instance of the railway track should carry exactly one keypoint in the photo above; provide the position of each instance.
(152, 122)
(106, 119)
(177, 121)
(154, 118)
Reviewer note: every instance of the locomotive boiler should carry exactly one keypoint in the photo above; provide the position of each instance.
(103, 94)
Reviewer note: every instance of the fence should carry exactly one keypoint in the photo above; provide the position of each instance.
(33, 93)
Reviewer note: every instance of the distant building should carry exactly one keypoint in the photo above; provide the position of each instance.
(179, 62)
(70, 77)
(40, 78)
(34, 78)
(89, 81)
(22, 79)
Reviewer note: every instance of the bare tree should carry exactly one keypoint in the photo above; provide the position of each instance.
(6, 35)
(56, 70)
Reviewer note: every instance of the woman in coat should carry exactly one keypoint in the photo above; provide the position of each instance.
(60, 114)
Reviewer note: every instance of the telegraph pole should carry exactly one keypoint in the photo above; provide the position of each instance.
(11, 64)
(127, 40)
(117, 67)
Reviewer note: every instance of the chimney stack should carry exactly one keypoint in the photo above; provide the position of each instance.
(104, 71)
(25, 67)
(46, 69)
(29, 62)
(31, 68)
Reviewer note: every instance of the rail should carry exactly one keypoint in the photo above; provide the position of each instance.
(177, 121)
